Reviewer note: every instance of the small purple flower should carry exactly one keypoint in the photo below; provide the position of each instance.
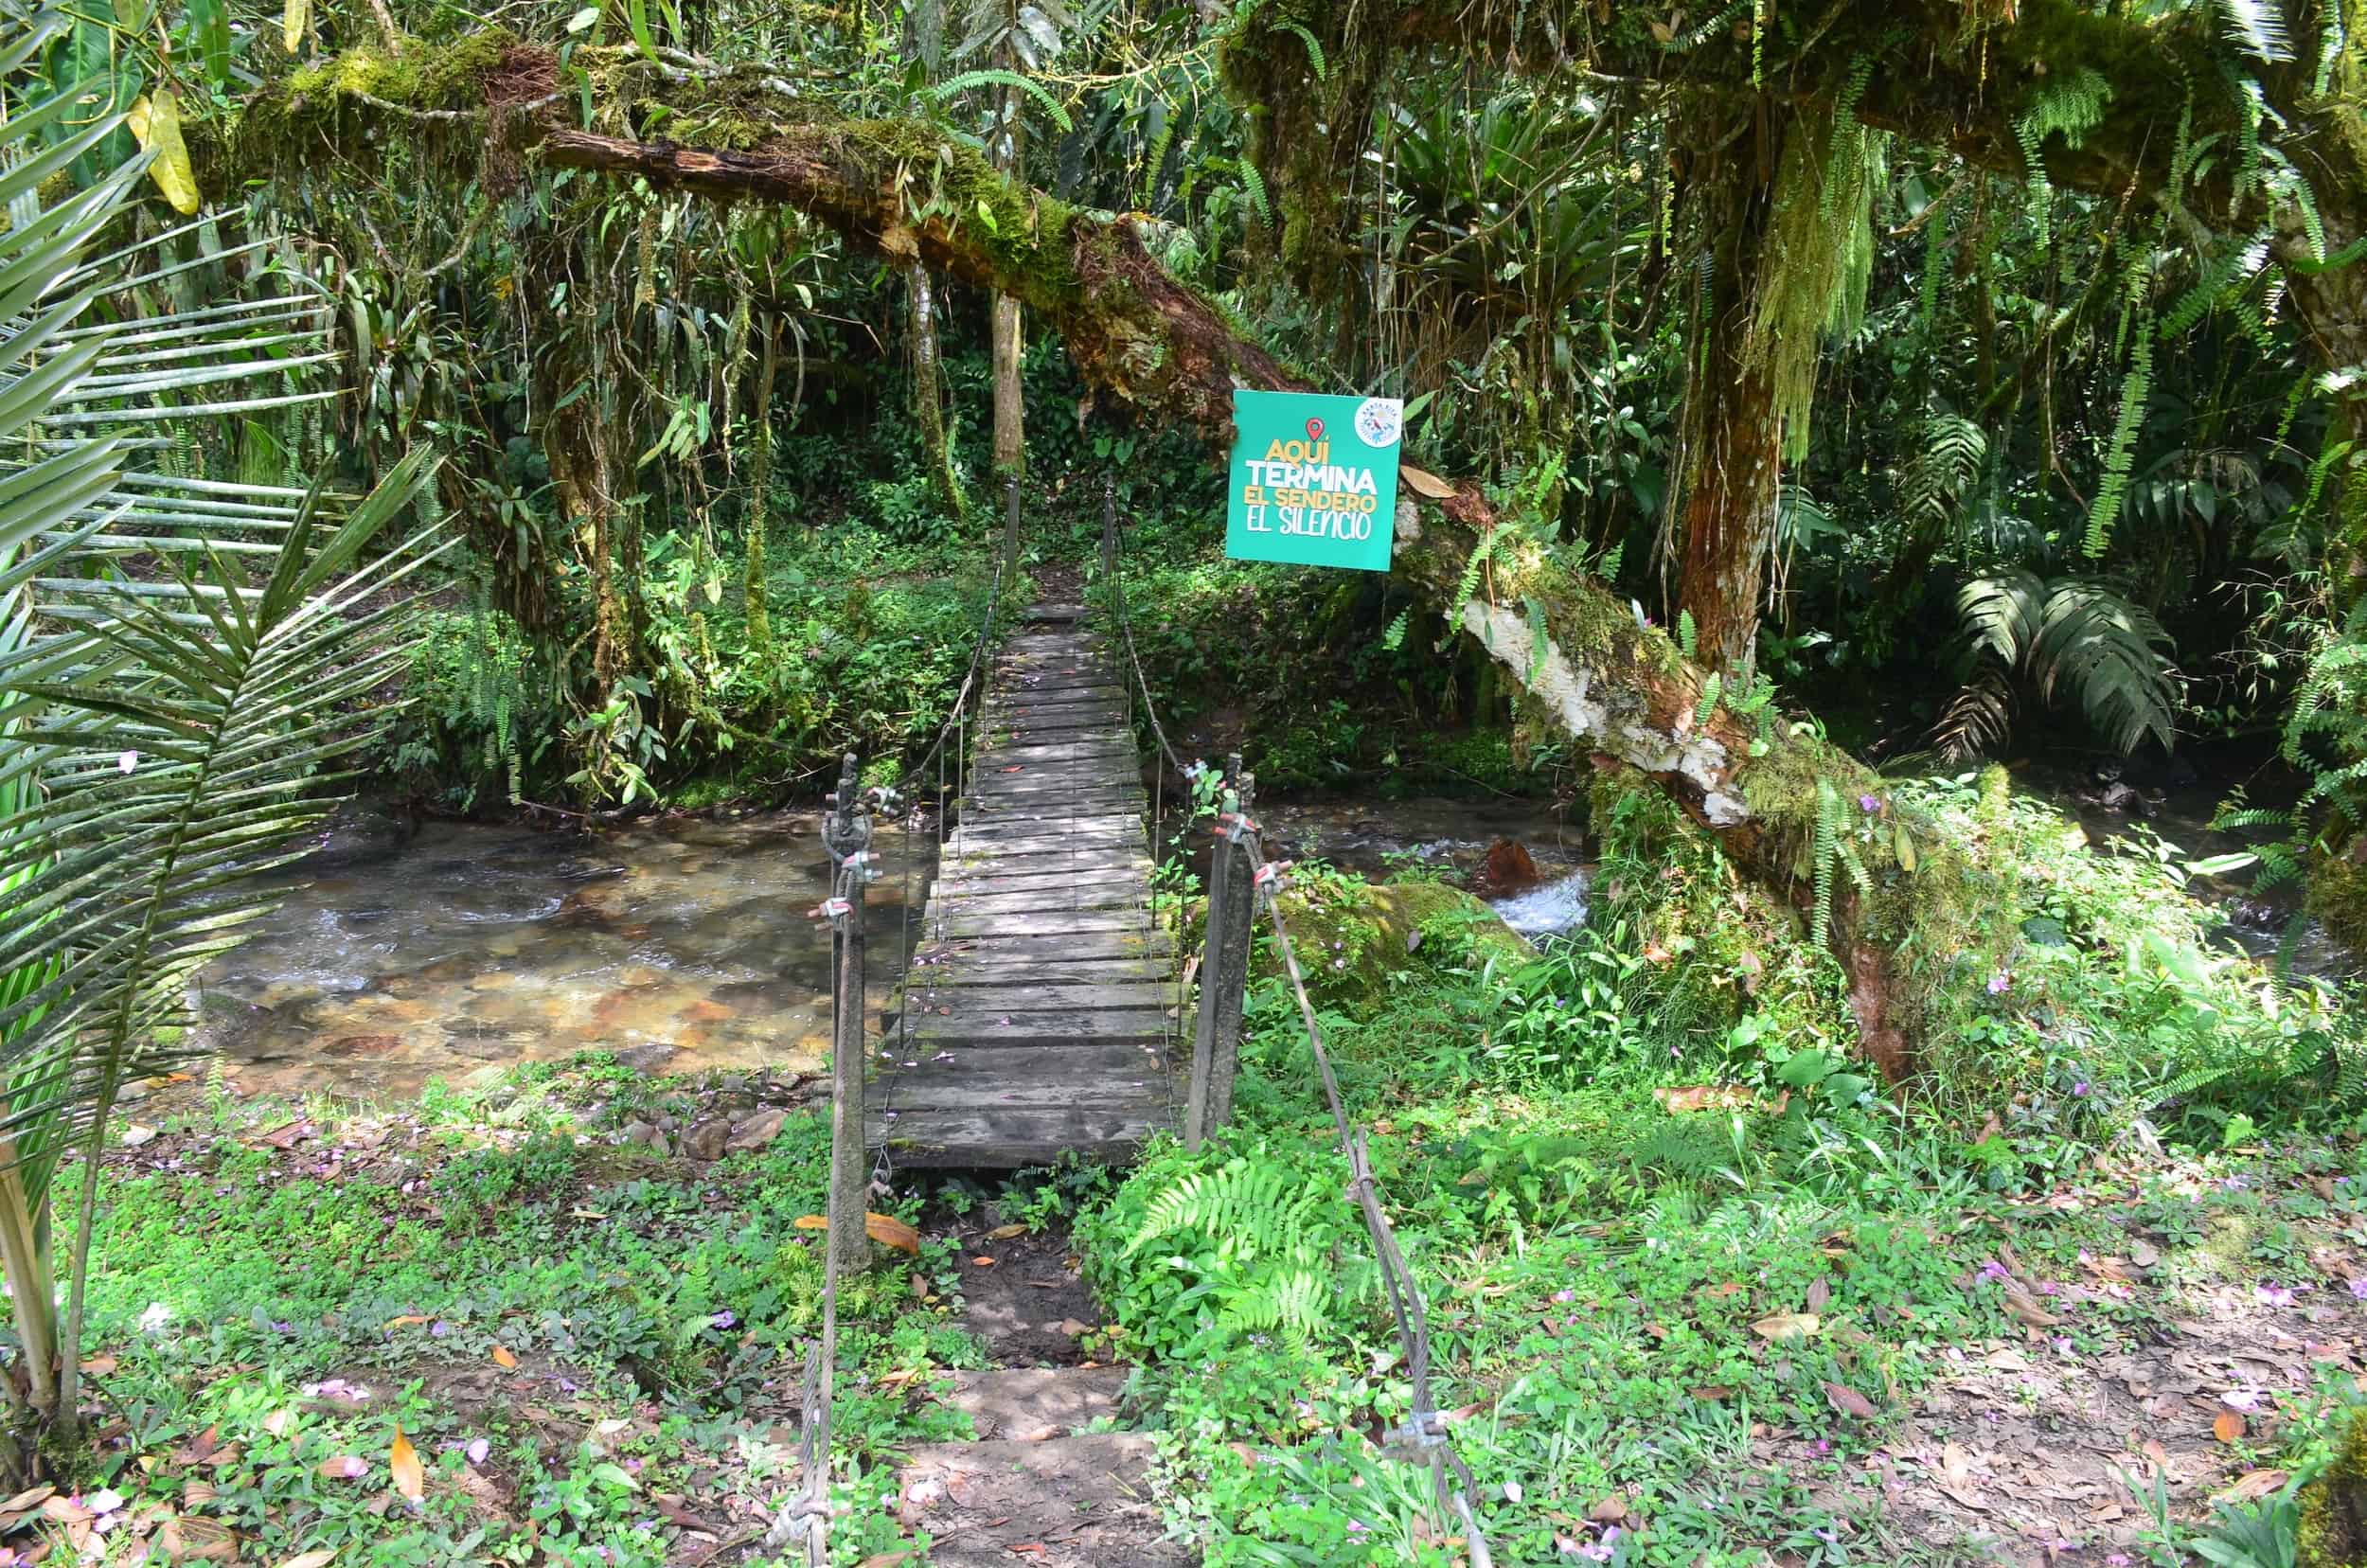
(2079, 1089)
(723, 1319)
(1998, 982)
(1868, 803)
(1992, 1269)
(2358, 1286)
(478, 1450)
(1573, 1295)
(439, 1328)
(2246, 1400)
(2278, 1295)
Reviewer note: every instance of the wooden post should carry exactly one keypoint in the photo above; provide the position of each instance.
(1223, 972)
(850, 1246)
(1109, 535)
(1232, 980)
(1010, 527)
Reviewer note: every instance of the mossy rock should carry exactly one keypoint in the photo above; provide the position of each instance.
(1355, 940)
(2334, 1507)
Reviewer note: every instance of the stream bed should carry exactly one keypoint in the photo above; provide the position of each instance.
(679, 945)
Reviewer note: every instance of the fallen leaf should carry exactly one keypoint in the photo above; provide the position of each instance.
(1664, 33)
(25, 1501)
(1003, 1233)
(1783, 1328)
(983, 1262)
(406, 1320)
(1701, 1097)
(286, 1135)
(1074, 1329)
(1711, 1393)
(2251, 1486)
(187, 1540)
(891, 1232)
(1611, 1510)
(200, 1448)
(2025, 1306)
(1819, 1291)
(1425, 483)
(504, 1356)
(99, 1367)
(1849, 1402)
(134, 1134)
(812, 1222)
(278, 1422)
(345, 1467)
(882, 1560)
(65, 1510)
(410, 1476)
(2227, 1427)
(311, 1559)
(1029, 1547)
(2143, 1253)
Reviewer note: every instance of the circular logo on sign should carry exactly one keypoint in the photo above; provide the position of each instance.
(1379, 420)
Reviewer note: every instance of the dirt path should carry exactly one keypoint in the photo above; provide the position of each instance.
(1055, 1478)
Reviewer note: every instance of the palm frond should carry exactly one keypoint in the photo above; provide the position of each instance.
(181, 658)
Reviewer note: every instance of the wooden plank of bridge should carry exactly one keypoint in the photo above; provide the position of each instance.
(1039, 1010)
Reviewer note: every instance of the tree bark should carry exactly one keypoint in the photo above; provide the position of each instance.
(1731, 435)
(928, 392)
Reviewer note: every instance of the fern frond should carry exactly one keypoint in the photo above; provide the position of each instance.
(954, 86)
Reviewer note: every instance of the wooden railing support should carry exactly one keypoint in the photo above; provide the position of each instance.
(1109, 534)
(1224, 967)
(849, 835)
(1010, 526)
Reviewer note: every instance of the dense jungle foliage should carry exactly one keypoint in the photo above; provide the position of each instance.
(1863, 461)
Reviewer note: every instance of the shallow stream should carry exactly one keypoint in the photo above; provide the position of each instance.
(679, 946)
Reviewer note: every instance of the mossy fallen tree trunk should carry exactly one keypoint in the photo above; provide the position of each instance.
(1773, 796)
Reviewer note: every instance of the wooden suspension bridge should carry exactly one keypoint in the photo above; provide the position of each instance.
(1042, 1001)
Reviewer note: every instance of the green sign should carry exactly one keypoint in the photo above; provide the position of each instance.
(1314, 479)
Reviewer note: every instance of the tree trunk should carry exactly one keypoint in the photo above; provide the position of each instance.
(928, 393)
(1010, 435)
(751, 574)
(1010, 432)
(1730, 436)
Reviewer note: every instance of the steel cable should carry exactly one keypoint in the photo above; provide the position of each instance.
(1424, 1434)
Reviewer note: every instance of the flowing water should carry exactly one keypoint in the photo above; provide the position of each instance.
(1375, 838)
(680, 947)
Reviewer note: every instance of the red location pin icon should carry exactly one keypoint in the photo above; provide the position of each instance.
(1314, 430)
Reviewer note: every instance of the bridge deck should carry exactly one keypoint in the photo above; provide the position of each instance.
(1041, 998)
